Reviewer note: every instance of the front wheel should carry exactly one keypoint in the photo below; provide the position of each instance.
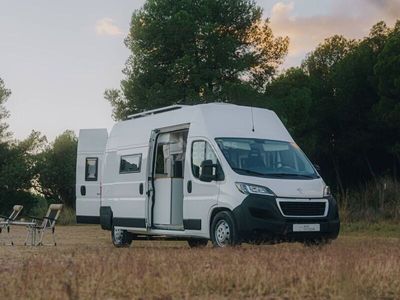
(318, 243)
(223, 230)
(121, 238)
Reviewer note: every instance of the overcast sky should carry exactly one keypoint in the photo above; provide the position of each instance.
(58, 57)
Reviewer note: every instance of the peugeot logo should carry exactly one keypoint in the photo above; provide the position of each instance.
(300, 190)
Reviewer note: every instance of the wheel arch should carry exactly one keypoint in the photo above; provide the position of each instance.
(106, 217)
(214, 212)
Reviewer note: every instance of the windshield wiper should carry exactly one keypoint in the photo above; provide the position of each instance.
(292, 174)
(249, 172)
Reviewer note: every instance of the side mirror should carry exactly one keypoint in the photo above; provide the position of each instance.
(317, 167)
(208, 171)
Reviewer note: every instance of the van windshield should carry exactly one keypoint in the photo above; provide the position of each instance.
(266, 158)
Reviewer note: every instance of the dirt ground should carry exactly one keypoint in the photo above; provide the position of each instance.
(85, 265)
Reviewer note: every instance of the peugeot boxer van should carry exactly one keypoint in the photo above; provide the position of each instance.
(218, 172)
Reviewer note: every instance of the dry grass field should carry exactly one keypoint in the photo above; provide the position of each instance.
(86, 266)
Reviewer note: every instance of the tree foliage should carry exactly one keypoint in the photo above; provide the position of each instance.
(16, 163)
(56, 167)
(343, 105)
(4, 94)
(186, 51)
(18, 171)
(31, 168)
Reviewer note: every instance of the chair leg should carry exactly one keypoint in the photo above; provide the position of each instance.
(53, 234)
(35, 236)
(41, 234)
(9, 236)
(2, 241)
(29, 236)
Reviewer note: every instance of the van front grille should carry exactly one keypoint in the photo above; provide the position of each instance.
(303, 208)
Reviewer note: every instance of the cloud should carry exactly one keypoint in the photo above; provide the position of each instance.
(106, 26)
(282, 10)
(390, 7)
(353, 19)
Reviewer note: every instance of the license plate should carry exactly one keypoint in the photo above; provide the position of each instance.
(306, 227)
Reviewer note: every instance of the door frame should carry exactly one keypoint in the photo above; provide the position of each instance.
(150, 192)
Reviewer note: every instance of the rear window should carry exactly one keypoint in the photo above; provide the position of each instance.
(91, 168)
(130, 163)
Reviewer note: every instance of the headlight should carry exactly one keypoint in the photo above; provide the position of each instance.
(247, 188)
(327, 191)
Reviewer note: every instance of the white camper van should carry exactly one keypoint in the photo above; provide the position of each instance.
(218, 172)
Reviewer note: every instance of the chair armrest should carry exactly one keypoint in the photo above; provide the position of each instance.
(22, 223)
(35, 218)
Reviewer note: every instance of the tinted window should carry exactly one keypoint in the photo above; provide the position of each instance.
(266, 158)
(91, 169)
(201, 151)
(130, 163)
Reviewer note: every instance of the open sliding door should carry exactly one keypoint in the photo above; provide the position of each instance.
(165, 182)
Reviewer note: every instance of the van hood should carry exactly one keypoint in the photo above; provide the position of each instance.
(311, 188)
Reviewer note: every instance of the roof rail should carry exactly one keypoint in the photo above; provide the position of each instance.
(155, 111)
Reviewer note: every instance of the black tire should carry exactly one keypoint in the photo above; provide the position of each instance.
(317, 243)
(197, 243)
(256, 242)
(121, 238)
(223, 230)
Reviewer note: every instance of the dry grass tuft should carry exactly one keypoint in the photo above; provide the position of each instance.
(86, 266)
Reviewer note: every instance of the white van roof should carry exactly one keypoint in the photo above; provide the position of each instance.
(210, 120)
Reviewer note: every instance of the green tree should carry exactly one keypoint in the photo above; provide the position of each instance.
(290, 96)
(320, 61)
(56, 167)
(4, 95)
(387, 71)
(18, 172)
(305, 100)
(186, 51)
(342, 106)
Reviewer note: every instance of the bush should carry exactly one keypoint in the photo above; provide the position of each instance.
(39, 206)
(377, 201)
(28, 200)
(67, 216)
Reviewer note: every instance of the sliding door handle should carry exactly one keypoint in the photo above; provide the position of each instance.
(189, 186)
(83, 190)
(141, 188)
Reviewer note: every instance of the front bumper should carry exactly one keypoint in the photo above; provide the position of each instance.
(259, 218)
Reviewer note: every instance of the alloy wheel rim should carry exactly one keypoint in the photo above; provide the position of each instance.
(222, 233)
(117, 236)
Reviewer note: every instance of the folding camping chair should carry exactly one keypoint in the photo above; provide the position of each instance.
(5, 222)
(38, 226)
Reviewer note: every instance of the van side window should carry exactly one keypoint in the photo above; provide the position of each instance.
(91, 167)
(201, 150)
(130, 163)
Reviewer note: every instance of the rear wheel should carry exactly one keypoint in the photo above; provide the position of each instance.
(197, 243)
(223, 230)
(317, 242)
(121, 238)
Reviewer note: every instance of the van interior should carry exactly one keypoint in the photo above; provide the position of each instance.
(168, 174)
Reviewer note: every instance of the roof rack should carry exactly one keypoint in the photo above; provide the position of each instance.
(155, 111)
